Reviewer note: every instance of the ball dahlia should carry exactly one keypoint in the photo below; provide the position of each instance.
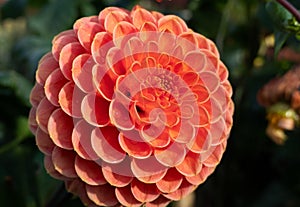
(131, 108)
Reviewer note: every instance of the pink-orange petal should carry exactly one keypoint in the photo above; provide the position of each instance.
(122, 32)
(70, 98)
(47, 65)
(77, 187)
(172, 24)
(89, 171)
(213, 156)
(196, 60)
(84, 20)
(102, 195)
(152, 136)
(53, 85)
(120, 116)
(144, 192)
(170, 182)
(185, 189)
(33, 125)
(171, 155)
(67, 55)
(61, 40)
(63, 161)
(125, 197)
(87, 32)
(134, 145)
(148, 170)
(201, 142)
(161, 201)
(202, 176)
(43, 112)
(114, 178)
(187, 41)
(140, 16)
(44, 142)
(210, 80)
(101, 44)
(102, 15)
(60, 127)
(105, 144)
(50, 169)
(104, 79)
(217, 132)
(81, 139)
(82, 72)
(113, 18)
(94, 109)
(36, 95)
(191, 165)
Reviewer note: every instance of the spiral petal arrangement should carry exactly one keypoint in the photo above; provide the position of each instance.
(131, 108)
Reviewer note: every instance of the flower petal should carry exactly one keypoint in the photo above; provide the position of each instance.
(201, 142)
(60, 127)
(63, 161)
(95, 109)
(70, 97)
(44, 142)
(43, 112)
(101, 44)
(171, 155)
(134, 145)
(36, 95)
(140, 16)
(89, 171)
(33, 125)
(81, 139)
(77, 187)
(114, 178)
(102, 195)
(61, 40)
(87, 32)
(47, 65)
(144, 192)
(83, 21)
(120, 116)
(50, 169)
(191, 165)
(105, 80)
(202, 176)
(185, 189)
(170, 182)
(113, 18)
(172, 24)
(106, 145)
(53, 85)
(148, 170)
(67, 55)
(82, 72)
(196, 60)
(161, 201)
(126, 198)
(212, 158)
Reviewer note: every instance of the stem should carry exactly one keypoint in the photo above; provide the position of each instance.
(290, 8)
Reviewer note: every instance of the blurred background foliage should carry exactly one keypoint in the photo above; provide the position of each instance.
(255, 172)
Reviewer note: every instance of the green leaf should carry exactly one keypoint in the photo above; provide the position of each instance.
(279, 14)
(20, 85)
(280, 39)
(57, 16)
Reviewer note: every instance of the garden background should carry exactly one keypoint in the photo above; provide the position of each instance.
(254, 172)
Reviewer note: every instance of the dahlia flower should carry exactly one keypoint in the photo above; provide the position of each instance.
(131, 108)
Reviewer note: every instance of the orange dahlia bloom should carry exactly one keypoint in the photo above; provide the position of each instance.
(131, 108)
